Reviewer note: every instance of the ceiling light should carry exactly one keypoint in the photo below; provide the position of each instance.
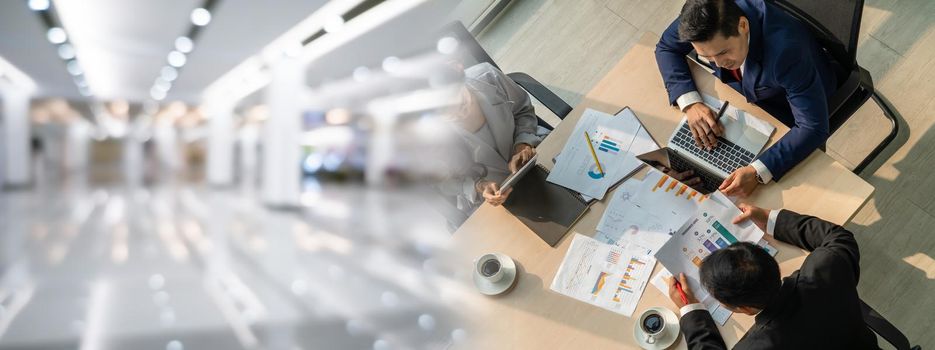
(74, 68)
(361, 74)
(184, 45)
(81, 82)
(176, 59)
(294, 50)
(201, 17)
(391, 64)
(169, 73)
(38, 5)
(334, 24)
(56, 35)
(163, 85)
(157, 94)
(447, 45)
(66, 51)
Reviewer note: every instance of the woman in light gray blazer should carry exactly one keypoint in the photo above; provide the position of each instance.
(499, 128)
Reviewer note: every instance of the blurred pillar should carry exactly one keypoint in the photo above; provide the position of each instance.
(16, 136)
(133, 161)
(164, 136)
(78, 138)
(380, 149)
(220, 170)
(281, 177)
(248, 137)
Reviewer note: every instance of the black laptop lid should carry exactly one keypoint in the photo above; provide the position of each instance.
(671, 163)
(547, 209)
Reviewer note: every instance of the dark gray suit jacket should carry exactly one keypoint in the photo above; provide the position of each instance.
(817, 306)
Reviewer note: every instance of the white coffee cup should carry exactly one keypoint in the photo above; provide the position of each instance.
(653, 325)
(489, 267)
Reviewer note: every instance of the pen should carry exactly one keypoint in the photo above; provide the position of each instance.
(681, 292)
(723, 109)
(593, 154)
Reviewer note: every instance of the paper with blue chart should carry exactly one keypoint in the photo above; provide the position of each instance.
(615, 140)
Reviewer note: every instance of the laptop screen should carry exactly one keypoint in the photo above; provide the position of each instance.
(671, 163)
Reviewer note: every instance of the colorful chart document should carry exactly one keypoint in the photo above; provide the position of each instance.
(708, 230)
(603, 275)
(647, 212)
(614, 140)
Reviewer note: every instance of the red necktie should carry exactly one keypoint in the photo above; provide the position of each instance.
(736, 73)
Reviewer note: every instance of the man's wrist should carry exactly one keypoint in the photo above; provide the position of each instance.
(691, 307)
(687, 99)
(763, 175)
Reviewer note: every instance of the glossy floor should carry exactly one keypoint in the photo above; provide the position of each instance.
(178, 266)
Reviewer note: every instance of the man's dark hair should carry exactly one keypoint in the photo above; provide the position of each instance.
(701, 20)
(743, 274)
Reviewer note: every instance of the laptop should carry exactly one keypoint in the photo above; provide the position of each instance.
(744, 138)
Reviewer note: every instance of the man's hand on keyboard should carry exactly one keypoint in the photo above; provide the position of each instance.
(704, 125)
(742, 182)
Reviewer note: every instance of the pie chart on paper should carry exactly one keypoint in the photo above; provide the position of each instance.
(594, 173)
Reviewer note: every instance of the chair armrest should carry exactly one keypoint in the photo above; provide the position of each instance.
(884, 328)
(542, 93)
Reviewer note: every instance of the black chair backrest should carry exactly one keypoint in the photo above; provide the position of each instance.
(470, 50)
(835, 23)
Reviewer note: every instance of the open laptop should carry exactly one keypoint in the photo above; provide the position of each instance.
(744, 138)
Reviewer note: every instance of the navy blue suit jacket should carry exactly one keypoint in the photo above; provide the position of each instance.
(786, 73)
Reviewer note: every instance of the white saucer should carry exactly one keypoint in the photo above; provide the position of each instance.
(671, 331)
(493, 288)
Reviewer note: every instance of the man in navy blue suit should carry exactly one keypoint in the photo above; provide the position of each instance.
(769, 57)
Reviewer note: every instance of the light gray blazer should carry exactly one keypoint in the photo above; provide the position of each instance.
(510, 116)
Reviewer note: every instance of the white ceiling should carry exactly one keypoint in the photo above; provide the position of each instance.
(122, 44)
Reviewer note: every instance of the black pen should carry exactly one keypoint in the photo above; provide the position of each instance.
(721, 112)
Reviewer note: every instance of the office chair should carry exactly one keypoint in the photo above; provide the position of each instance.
(836, 24)
(476, 54)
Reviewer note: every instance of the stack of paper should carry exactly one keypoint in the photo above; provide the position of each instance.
(627, 225)
(603, 275)
(646, 213)
(616, 140)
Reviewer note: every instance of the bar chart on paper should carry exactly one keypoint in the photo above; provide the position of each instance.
(607, 143)
(603, 275)
(632, 281)
(667, 184)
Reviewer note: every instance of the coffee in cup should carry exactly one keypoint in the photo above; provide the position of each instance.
(653, 324)
(490, 267)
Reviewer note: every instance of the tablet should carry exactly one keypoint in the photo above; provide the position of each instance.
(512, 179)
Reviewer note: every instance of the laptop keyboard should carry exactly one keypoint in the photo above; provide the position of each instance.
(727, 156)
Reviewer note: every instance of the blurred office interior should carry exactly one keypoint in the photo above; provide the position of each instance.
(226, 174)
